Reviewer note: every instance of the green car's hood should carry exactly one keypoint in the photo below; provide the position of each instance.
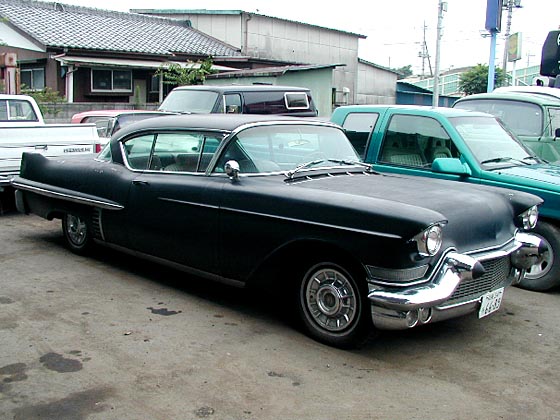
(544, 175)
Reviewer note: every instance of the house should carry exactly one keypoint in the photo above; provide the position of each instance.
(268, 40)
(93, 55)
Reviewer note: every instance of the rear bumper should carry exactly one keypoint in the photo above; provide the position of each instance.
(456, 287)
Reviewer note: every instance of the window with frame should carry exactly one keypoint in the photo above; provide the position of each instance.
(107, 80)
(33, 79)
(16, 110)
(415, 141)
(182, 151)
(358, 126)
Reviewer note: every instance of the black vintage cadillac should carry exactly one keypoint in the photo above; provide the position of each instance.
(285, 203)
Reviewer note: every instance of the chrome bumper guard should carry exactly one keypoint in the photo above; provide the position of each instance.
(406, 307)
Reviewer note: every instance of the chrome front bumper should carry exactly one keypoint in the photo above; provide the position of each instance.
(436, 299)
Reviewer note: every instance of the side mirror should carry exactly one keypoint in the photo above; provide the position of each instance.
(452, 166)
(232, 169)
(557, 133)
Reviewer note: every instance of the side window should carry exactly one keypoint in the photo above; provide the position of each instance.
(184, 151)
(554, 115)
(264, 103)
(358, 126)
(415, 141)
(296, 100)
(232, 103)
(137, 152)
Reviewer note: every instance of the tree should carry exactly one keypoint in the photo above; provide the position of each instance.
(195, 74)
(404, 72)
(476, 79)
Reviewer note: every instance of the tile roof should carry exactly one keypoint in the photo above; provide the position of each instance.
(65, 26)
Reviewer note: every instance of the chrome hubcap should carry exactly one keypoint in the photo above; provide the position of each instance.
(331, 299)
(541, 269)
(76, 229)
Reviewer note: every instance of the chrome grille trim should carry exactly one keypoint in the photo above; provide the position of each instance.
(498, 271)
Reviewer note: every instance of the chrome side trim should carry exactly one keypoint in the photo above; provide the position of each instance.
(108, 205)
(189, 203)
(174, 265)
(307, 222)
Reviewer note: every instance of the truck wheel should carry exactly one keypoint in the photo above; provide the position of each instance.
(546, 274)
(76, 233)
(333, 307)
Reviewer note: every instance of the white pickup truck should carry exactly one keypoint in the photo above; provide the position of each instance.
(22, 129)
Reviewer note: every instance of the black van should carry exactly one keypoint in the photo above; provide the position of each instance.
(237, 99)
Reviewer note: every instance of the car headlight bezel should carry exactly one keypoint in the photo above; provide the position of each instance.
(430, 240)
(529, 218)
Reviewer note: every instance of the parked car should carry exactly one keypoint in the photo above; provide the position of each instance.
(285, 204)
(460, 145)
(239, 99)
(109, 121)
(534, 118)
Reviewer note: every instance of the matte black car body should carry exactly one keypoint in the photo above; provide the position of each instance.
(349, 244)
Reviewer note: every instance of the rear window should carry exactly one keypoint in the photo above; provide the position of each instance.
(16, 110)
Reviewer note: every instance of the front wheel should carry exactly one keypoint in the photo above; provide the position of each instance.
(76, 233)
(546, 274)
(333, 306)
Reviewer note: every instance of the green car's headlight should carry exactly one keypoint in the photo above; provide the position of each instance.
(529, 218)
(429, 241)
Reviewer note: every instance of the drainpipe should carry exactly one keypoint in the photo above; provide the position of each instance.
(245, 46)
(70, 84)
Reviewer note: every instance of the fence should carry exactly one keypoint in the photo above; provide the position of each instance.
(62, 112)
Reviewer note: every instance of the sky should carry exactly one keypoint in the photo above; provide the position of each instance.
(395, 29)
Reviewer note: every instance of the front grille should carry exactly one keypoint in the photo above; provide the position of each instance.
(497, 271)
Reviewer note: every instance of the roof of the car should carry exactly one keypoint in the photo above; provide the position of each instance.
(447, 112)
(538, 90)
(244, 88)
(535, 98)
(219, 122)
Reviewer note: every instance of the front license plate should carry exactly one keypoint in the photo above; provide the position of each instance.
(490, 302)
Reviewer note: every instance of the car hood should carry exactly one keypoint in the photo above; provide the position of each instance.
(542, 175)
(475, 216)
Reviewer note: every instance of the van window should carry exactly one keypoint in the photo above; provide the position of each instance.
(296, 100)
(232, 103)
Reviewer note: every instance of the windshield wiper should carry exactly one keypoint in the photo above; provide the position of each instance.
(298, 168)
(504, 159)
(305, 165)
(368, 166)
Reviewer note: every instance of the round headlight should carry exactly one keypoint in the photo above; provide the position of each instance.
(530, 218)
(433, 240)
(429, 241)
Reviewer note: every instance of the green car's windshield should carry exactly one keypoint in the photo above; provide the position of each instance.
(490, 143)
(285, 147)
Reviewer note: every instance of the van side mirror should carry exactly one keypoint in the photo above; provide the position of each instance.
(557, 133)
(452, 166)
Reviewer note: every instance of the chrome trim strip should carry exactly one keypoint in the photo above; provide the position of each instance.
(75, 199)
(174, 265)
(189, 203)
(290, 219)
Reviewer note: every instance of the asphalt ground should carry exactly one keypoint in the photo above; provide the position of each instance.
(110, 336)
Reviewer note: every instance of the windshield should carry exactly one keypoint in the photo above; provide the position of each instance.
(489, 142)
(189, 101)
(281, 148)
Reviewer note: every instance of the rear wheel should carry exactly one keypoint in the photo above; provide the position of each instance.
(546, 274)
(76, 233)
(333, 306)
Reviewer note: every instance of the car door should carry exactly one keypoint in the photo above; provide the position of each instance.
(173, 213)
(411, 143)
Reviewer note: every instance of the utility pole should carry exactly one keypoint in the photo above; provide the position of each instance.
(508, 5)
(442, 7)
